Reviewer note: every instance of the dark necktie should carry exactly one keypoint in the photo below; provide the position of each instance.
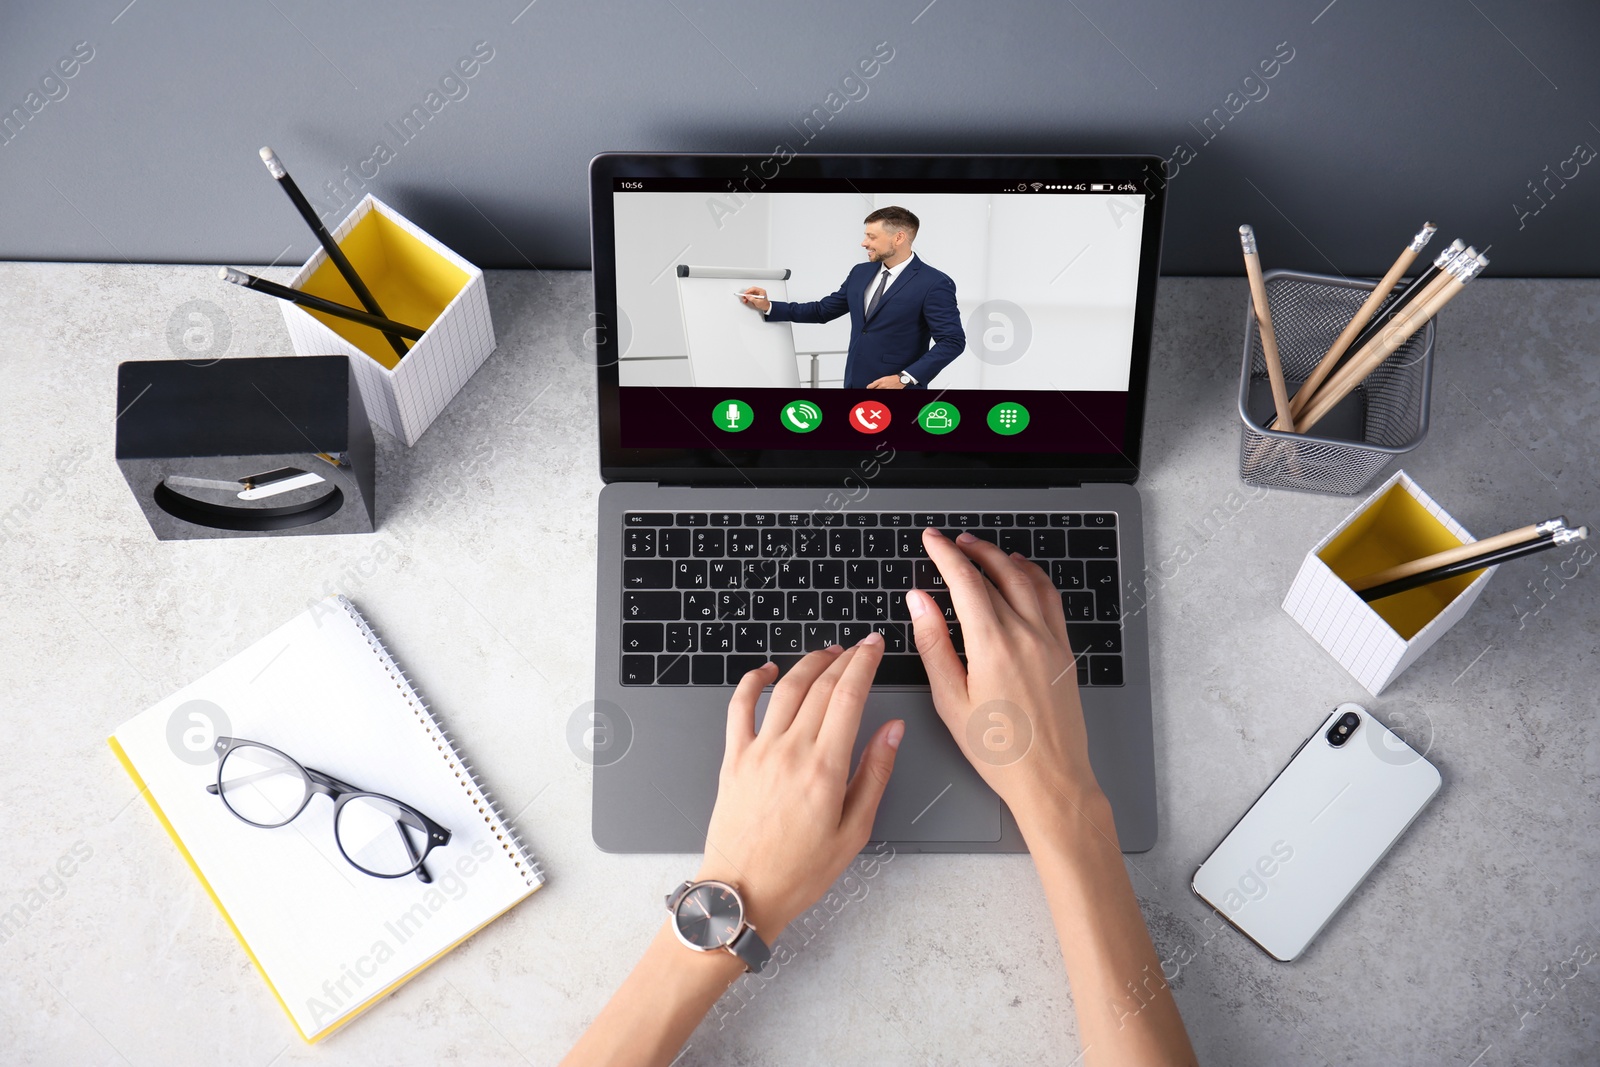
(872, 305)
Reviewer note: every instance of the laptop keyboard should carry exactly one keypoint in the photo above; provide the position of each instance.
(707, 596)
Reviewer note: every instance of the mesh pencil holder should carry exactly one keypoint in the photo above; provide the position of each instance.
(1383, 417)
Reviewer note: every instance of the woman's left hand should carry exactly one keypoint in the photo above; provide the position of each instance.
(789, 816)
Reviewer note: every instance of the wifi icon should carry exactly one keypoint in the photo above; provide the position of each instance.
(1037, 186)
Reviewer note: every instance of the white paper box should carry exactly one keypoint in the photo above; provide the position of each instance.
(1364, 642)
(417, 281)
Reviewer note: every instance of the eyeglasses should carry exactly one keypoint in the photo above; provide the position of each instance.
(378, 835)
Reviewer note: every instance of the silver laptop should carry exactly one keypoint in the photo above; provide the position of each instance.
(803, 362)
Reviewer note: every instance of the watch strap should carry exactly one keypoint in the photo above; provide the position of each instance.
(677, 895)
(749, 947)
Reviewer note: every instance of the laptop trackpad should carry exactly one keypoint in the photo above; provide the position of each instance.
(934, 794)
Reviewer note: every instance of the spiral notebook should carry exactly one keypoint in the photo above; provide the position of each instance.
(330, 940)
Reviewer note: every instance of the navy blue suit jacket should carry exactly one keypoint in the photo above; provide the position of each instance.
(919, 308)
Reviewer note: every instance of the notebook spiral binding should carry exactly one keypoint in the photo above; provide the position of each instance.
(486, 803)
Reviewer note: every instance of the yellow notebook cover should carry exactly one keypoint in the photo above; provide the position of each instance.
(329, 939)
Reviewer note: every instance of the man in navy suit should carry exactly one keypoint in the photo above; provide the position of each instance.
(898, 305)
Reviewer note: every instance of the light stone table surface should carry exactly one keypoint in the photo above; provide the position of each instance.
(1473, 943)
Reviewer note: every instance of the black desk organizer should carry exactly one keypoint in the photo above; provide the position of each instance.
(260, 447)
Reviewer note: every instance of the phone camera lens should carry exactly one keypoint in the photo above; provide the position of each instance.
(1342, 728)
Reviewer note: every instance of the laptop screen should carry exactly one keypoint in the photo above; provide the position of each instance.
(959, 314)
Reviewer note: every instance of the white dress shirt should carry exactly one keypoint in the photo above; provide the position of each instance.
(894, 275)
(872, 287)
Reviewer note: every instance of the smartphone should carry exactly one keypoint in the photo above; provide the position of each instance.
(1286, 868)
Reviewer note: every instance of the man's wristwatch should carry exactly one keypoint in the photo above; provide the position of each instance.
(708, 916)
(906, 379)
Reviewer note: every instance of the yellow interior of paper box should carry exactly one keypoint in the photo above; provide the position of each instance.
(1396, 529)
(410, 281)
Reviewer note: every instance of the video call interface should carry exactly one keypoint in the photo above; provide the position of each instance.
(977, 315)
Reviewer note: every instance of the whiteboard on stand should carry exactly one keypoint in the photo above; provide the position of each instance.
(731, 344)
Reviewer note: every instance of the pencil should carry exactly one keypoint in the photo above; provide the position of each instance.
(1269, 340)
(1399, 319)
(1407, 304)
(1384, 288)
(1418, 284)
(1475, 563)
(1460, 552)
(316, 303)
(329, 245)
(1395, 334)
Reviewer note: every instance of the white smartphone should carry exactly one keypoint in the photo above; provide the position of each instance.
(1344, 799)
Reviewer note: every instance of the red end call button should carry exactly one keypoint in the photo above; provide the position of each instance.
(870, 416)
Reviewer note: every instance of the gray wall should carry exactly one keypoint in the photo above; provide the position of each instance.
(1387, 114)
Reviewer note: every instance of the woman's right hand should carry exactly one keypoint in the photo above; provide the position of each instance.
(1014, 707)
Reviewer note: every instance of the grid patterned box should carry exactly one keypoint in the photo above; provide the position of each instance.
(418, 281)
(1363, 641)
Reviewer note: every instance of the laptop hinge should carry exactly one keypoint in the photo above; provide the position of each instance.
(684, 484)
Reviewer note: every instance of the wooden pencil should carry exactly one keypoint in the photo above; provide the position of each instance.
(1383, 289)
(1419, 283)
(1482, 561)
(1457, 554)
(1394, 318)
(1269, 340)
(1393, 336)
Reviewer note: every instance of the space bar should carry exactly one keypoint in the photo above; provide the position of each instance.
(901, 670)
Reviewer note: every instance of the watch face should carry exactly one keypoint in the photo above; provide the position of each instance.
(709, 916)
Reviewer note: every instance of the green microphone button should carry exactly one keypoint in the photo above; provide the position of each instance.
(732, 415)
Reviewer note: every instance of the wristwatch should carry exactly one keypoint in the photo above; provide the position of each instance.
(907, 379)
(709, 915)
